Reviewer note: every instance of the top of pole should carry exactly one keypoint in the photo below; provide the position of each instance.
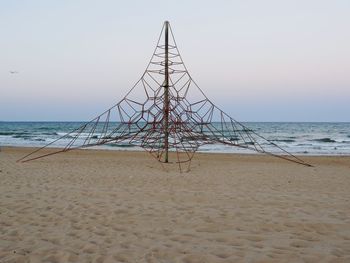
(166, 24)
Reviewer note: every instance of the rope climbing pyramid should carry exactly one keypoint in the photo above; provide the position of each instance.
(172, 117)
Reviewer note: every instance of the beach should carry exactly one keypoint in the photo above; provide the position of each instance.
(124, 206)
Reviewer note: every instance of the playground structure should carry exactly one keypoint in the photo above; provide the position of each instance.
(165, 112)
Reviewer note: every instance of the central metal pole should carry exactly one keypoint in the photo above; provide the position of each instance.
(166, 94)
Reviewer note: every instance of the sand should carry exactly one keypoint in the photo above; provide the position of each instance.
(109, 206)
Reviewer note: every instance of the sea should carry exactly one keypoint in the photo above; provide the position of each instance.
(299, 138)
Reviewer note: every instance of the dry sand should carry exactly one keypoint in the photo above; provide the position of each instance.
(108, 206)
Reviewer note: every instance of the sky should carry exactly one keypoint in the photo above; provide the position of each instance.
(256, 60)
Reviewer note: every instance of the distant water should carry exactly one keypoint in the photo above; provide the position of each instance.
(298, 138)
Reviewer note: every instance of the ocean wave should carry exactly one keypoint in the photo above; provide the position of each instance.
(49, 133)
(323, 140)
(46, 128)
(18, 133)
(24, 137)
(283, 140)
(65, 135)
(7, 133)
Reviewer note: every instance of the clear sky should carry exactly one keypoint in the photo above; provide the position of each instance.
(257, 60)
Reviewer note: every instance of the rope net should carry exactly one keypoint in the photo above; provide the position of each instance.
(139, 118)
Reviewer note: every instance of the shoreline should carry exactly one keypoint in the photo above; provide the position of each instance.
(121, 149)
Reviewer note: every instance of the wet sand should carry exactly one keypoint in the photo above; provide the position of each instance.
(110, 206)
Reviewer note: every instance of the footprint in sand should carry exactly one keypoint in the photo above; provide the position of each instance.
(299, 244)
